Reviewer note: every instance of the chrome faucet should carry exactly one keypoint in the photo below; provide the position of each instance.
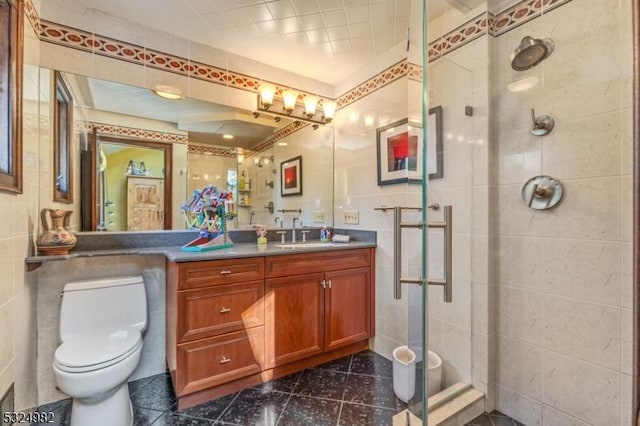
(293, 231)
(276, 221)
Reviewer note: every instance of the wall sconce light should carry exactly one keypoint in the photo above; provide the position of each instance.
(290, 97)
(267, 93)
(311, 110)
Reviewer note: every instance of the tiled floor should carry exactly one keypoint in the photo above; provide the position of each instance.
(495, 418)
(355, 390)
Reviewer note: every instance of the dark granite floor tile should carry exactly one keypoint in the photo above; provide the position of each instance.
(255, 407)
(210, 410)
(363, 415)
(145, 417)
(156, 395)
(60, 413)
(341, 365)
(136, 385)
(172, 419)
(308, 411)
(500, 419)
(483, 420)
(321, 384)
(372, 364)
(370, 390)
(283, 384)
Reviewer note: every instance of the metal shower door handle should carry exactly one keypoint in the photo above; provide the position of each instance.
(446, 225)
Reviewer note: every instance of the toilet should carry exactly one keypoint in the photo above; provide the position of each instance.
(101, 325)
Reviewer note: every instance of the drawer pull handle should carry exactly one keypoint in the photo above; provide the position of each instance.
(225, 310)
(225, 360)
(225, 272)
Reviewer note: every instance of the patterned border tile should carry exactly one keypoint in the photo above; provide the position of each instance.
(32, 15)
(210, 150)
(466, 33)
(521, 13)
(112, 129)
(391, 74)
(280, 134)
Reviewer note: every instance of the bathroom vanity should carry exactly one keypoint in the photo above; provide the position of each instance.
(237, 322)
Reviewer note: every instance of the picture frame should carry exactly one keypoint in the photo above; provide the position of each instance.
(399, 153)
(11, 62)
(291, 177)
(399, 150)
(62, 141)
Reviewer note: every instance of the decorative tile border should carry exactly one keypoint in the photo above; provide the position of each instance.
(466, 33)
(391, 74)
(521, 13)
(32, 15)
(210, 150)
(280, 134)
(132, 132)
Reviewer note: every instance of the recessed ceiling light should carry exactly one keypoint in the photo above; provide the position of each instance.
(282, 144)
(227, 136)
(168, 92)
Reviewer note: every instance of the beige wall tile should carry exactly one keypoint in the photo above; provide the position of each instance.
(519, 367)
(553, 417)
(515, 272)
(7, 323)
(520, 315)
(583, 269)
(514, 217)
(590, 393)
(519, 407)
(627, 341)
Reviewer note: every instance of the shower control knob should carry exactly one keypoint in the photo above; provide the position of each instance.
(542, 192)
(542, 124)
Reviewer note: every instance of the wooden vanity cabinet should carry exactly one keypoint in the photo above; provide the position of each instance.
(323, 309)
(235, 323)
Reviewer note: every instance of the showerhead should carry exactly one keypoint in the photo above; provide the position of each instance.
(531, 52)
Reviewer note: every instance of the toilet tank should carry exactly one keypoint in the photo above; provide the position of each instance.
(104, 304)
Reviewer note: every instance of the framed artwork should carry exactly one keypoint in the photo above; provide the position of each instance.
(399, 153)
(399, 150)
(11, 22)
(291, 177)
(62, 146)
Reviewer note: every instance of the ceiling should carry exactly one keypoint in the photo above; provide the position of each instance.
(327, 40)
(205, 122)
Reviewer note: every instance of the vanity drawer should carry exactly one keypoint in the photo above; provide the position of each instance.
(214, 272)
(296, 264)
(219, 309)
(216, 360)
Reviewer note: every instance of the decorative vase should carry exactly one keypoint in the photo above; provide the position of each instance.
(56, 239)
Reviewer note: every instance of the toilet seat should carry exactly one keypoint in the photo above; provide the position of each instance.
(83, 353)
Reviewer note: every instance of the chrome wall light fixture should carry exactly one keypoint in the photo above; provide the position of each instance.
(308, 108)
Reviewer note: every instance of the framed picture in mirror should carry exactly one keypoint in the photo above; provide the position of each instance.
(62, 145)
(11, 24)
(291, 177)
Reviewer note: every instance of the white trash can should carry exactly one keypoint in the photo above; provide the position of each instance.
(434, 376)
(404, 373)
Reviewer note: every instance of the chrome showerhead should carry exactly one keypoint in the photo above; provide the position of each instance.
(531, 52)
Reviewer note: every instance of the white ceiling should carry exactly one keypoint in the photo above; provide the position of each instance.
(327, 40)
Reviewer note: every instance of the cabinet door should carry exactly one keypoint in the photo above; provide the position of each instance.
(348, 307)
(294, 318)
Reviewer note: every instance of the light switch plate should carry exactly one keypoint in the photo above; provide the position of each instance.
(318, 216)
(351, 217)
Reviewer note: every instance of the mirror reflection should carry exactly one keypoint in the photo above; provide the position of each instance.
(146, 154)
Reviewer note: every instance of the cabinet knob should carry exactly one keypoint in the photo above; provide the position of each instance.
(225, 360)
(329, 283)
(225, 272)
(225, 310)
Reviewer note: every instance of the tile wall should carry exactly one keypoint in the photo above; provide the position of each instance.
(18, 227)
(51, 278)
(563, 275)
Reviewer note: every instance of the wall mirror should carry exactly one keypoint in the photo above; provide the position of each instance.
(138, 157)
(62, 133)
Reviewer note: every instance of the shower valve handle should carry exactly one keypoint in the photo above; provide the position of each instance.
(542, 124)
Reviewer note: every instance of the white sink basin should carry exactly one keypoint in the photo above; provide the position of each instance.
(304, 245)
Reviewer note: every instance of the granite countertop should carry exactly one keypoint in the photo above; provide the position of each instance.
(169, 244)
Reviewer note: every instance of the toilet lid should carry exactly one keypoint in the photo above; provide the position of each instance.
(92, 352)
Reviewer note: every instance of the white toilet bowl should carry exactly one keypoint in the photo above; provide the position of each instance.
(101, 324)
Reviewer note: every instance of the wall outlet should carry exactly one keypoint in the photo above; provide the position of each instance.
(318, 216)
(351, 217)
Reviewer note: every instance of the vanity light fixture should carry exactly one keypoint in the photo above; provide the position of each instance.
(310, 110)
(267, 94)
(227, 136)
(168, 92)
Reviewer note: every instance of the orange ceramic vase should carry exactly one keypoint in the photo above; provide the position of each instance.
(56, 239)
